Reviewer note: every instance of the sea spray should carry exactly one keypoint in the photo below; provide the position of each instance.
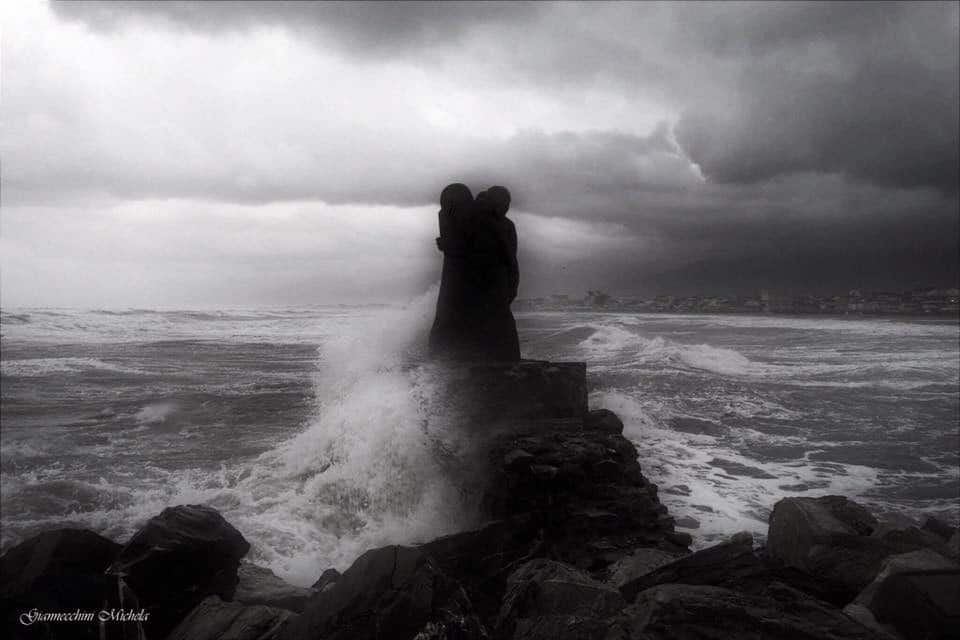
(384, 461)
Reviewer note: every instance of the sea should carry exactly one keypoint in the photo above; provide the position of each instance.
(313, 430)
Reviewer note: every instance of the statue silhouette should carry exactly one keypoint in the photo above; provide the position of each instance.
(447, 333)
(479, 279)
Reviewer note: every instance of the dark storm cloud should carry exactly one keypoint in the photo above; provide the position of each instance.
(881, 104)
(365, 28)
(868, 90)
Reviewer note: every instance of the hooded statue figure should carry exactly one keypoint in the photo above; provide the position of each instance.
(449, 327)
(491, 279)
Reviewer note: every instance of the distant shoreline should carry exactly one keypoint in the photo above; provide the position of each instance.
(763, 314)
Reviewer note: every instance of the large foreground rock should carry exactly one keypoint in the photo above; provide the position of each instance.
(867, 604)
(391, 593)
(548, 600)
(59, 570)
(176, 560)
(828, 537)
(482, 559)
(214, 619)
(730, 564)
(259, 585)
(682, 612)
(921, 605)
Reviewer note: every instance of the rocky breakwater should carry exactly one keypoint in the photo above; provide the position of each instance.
(576, 546)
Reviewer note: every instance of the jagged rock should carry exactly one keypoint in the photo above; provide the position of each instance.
(862, 608)
(326, 579)
(547, 600)
(388, 593)
(727, 564)
(828, 537)
(214, 619)
(683, 611)
(177, 559)
(867, 605)
(516, 458)
(922, 605)
(909, 538)
(585, 488)
(491, 392)
(687, 522)
(58, 570)
(953, 546)
(482, 559)
(637, 564)
(259, 585)
(939, 528)
(603, 420)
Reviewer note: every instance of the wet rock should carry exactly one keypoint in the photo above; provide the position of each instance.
(738, 469)
(671, 611)
(921, 604)
(177, 559)
(953, 546)
(828, 537)
(58, 570)
(697, 426)
(678, 490)
(687, 522)
(727, 564)
(482, 559)
(939, 528)
(214, 619)
(603, 420)
(586, 491)
(909, 538)
(388, 593)
(679, 538)
(327, 578)
(637, 564)
(485, 392)
(516, 458)
(867, 604)
(259, 585)
(550, 600)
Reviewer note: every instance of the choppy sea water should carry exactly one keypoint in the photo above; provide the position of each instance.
(311, 431)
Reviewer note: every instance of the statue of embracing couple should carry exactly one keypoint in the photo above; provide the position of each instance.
(479, 279)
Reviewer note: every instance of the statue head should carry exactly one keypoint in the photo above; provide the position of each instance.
(500, 198)
(455, 196)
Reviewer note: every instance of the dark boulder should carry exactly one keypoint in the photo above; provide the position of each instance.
(639, 563)
(482, 559)
(326, 579)
(259, 585)
(603, 420)
(922, 605)
(683, 611)
(177, 559)
(938, 527)
(547, 600)
(214, 619)
(388, 593)
(830, 538)
(868, 604)
(728, 564)
(59, 570)
(585, 489)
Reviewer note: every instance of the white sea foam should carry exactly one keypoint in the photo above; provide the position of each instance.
(155, 412)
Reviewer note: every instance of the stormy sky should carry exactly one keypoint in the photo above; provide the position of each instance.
(196, 154)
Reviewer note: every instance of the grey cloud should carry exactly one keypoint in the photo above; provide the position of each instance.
(365, 28)
(868, 90)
